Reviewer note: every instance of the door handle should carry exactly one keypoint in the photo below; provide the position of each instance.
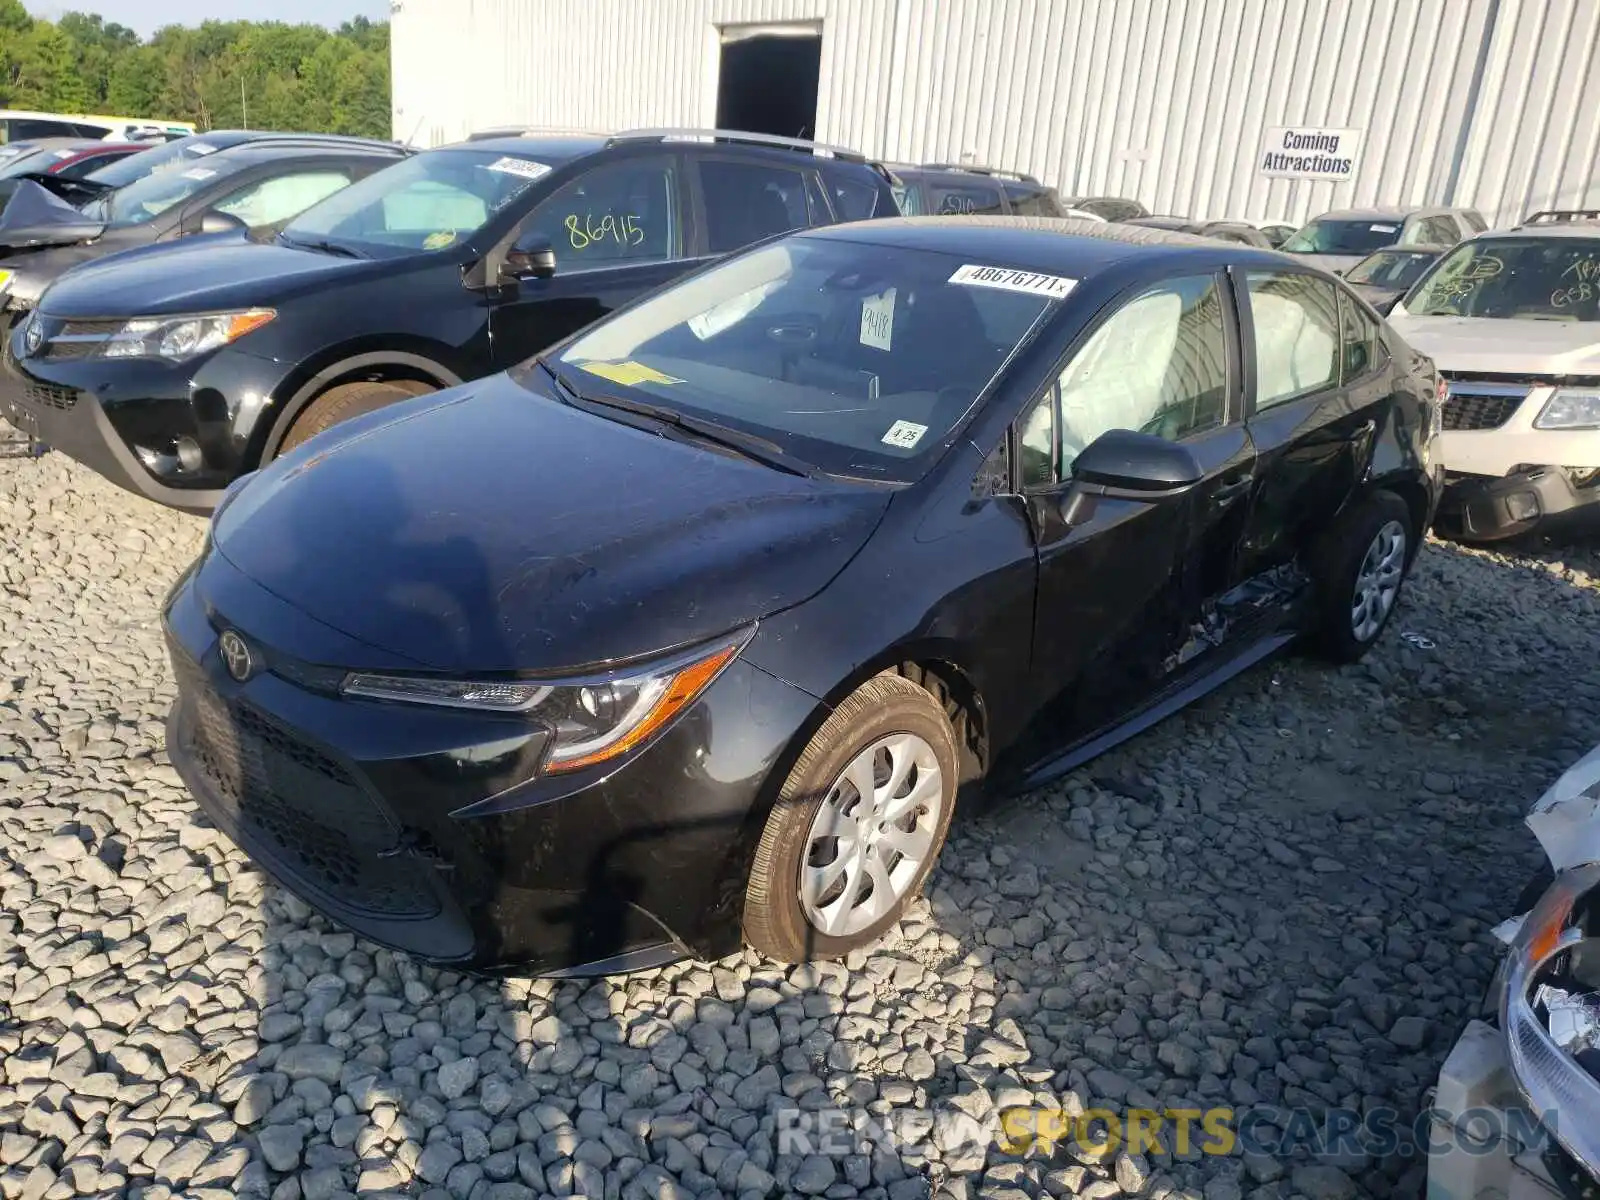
(1230, 492)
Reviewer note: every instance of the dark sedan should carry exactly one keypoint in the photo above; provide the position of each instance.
(259, 185)
(699, 625)
(1382, 278)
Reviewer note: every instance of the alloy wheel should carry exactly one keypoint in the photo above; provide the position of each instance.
(1378, 581)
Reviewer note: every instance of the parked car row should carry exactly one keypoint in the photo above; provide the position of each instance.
(629, 545)
(787, 522)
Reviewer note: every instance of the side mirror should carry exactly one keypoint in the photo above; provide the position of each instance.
(217, 221)
(1123, 464)
(531, 258)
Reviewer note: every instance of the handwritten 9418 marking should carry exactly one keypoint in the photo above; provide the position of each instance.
(584, 230)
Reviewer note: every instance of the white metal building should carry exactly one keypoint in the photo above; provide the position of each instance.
(1193, 107)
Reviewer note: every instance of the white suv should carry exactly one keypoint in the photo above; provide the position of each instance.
(1512, 319)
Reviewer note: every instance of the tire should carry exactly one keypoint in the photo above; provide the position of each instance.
(1353, 564)
(885, 709)
(348, 400)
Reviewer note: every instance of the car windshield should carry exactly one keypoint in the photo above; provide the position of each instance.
(1533, 279)
(426, 203)
(26, 159)
(855, 358)
(1390, 269)
(1345, 236)
(149, 197)
(180, 153)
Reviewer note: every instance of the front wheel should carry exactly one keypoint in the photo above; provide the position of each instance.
(347, 400)
(857, 826)
(1359, 575)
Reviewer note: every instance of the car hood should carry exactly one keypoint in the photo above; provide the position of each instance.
(492, 528)
(1467, 344)
(1331, 262)
(34, 216)
(200, 274)
(34, 270)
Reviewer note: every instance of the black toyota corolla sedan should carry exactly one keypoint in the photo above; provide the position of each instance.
(700, 624)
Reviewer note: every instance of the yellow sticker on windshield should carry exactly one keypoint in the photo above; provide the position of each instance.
(5, 281)
(438, 241)
(629, 374)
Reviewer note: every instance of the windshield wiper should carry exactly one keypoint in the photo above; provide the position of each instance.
(746, 445)
(336, 248)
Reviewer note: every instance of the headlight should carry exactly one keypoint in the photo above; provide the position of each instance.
(591, 719)
(1570, 408)
(1551, 1012)
(179, 338)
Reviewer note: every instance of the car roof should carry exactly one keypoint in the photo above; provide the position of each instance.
(1378, 214)
(1079, 248)
(269, 150)
(1589, 230)
(546, 147)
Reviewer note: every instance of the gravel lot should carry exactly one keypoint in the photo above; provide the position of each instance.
(1282, 897)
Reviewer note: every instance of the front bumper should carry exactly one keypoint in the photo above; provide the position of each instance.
(1485, 508)
(428, 830)
(175, 434)
(1484, 1143)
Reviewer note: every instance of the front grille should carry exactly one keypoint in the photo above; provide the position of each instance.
(40, 395)
(1467, 409)
(320, 823)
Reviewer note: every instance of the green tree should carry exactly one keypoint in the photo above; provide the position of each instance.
(48, 77)
(291, 77)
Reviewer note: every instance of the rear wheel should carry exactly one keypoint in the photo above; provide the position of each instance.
(857, 826)
(1359, 575)
(348, 400)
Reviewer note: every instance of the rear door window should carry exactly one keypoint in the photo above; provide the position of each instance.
(965, 199)
(25, 128)
(1032, 200)
(748, 201)
(1297, 336)
(1361, 348)
(619, 212)
(853, 199)
(273, 201)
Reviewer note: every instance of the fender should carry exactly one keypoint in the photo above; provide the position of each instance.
(291, 408)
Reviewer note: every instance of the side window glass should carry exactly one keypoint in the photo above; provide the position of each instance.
(31, 127)
(620, 212)
(270, 201)
(959, 200)
(817, 210)
(908, 198)
(1361, 343)
(1030, 200)
(1036, 453)
(1297, 335)
(853, 199)
(748, 201)
(1158, 365)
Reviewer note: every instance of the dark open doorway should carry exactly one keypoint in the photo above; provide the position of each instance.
(769, 84)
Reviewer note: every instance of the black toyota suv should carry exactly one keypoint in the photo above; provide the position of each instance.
(947, 190)
(258, 184)
(174, 370)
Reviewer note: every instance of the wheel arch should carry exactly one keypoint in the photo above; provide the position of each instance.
(932, 665)
(334, 368)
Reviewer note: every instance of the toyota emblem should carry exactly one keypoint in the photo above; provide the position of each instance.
(33, 338)
(236, 655)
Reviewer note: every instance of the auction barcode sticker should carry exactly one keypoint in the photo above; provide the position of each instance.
(1051, 287)
(524, 167)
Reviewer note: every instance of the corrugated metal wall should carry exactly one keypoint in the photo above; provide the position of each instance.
(1492, 103)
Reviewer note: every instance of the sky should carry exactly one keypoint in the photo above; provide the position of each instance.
(146, 16)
